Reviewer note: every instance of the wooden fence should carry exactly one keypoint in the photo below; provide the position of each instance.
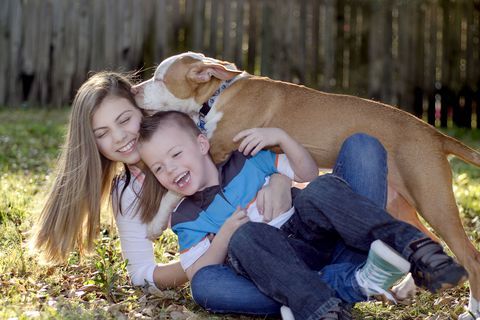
(420, 55)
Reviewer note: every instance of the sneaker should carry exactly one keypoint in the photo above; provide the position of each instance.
(432, 268)
(338, 313)
(384, 266)
(286, 313)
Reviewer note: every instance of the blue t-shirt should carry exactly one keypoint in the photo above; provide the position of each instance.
(204, 212)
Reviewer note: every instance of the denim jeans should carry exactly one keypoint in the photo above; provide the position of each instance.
(362, 163)
(332, 224)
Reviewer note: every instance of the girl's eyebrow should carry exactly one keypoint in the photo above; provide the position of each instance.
(116, 119)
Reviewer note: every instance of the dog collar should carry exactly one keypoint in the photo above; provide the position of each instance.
(208, 105)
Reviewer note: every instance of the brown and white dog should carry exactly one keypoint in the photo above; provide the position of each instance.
(418, 167)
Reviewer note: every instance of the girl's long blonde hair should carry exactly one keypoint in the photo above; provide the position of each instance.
(70, 217)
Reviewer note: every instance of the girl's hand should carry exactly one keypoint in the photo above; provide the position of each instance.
(275, 198)
(255, 139)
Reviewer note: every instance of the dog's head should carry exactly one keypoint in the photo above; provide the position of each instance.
(183, 82)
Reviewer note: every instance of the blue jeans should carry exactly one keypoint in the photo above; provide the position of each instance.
(361, 162)
(331, 222)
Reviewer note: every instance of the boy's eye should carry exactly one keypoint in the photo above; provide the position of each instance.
(125, 120)
(158, 169)
(177, 154)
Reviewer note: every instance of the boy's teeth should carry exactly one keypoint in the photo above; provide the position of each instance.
(180, 177)
(183, 179)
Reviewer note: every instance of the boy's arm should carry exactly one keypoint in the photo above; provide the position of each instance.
(217, 251)
(255, 139)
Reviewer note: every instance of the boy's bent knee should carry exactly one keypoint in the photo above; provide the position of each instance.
(362, 143)
(326, 181)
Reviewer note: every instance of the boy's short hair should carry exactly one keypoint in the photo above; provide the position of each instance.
(152, 123)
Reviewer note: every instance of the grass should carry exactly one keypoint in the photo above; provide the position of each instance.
(97, 286)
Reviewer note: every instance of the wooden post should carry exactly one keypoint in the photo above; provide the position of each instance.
(83, 45)
(4, 51)
(266, 38)
(227, 30)
(253, 10)
(380, 82)
(212, 43)
(238, 48)
(407, 60)
(315, 46)
(198, 25)
(328, 33)
(161, 30)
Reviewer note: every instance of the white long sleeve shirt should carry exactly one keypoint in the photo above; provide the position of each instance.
(136, 247)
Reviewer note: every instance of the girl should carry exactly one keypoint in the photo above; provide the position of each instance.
(102, 137)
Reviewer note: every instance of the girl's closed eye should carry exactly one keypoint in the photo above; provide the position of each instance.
(176, 154)
(101, 135)
(157, 169)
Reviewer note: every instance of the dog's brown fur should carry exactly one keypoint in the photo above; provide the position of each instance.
(417, 152)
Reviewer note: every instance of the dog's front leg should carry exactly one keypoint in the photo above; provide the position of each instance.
(160, 221)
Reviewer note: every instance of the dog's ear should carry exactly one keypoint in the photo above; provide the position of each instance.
(201, 73)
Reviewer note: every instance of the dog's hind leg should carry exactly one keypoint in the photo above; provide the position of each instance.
(431, 189)
(399, 208)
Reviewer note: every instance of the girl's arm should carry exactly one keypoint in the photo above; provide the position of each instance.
(302, 163)
(138, 250)
(169, 275)
(217, 251)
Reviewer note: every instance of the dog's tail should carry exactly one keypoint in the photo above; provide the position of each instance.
(453, 146)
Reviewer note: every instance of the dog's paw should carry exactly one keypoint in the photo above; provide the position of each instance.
(156, 227)
(154, 231)
(160, 222)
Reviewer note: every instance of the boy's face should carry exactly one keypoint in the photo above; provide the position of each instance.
(179, 161)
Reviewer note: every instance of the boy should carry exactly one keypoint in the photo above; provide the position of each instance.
(177, 154)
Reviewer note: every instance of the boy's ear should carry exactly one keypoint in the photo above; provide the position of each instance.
(203, 143)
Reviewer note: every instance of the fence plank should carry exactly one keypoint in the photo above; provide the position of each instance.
(266, 37)
(329, 39)
(4, 46)
(227, 52)
(198, 23)
(239, 32)
(315, 41)
(253, 10)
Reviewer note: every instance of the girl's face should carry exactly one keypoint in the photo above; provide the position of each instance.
(115, 126)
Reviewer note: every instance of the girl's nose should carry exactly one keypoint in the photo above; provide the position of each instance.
(119, 135)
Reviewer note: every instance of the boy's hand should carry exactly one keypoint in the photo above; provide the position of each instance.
(255, 139)
(275, 198)
(237, 219)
